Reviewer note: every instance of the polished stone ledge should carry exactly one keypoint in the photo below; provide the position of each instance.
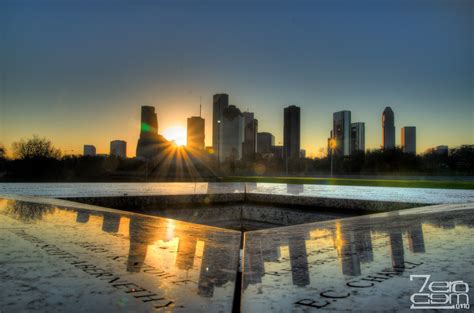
(360, 264)
(61, 256)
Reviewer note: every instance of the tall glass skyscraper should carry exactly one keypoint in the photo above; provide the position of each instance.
(232, 134)
(292, 132)
(341, 132)
(195, 133)
(220, 102)
(250, 135)
(388, 128)
(409, 139)
(357, 137)
(150, 144)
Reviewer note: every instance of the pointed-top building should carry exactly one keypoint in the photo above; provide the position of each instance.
(388, 128)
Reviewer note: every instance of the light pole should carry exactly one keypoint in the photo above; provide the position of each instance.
(332, 146)
(219, 146)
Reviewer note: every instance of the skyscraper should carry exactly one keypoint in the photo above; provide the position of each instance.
(250, 135)
(341, 132)
(150, 143)
(195, 133)
(220, 102)
(388, 128)
(265, 141)
(292, 132)
(232, 134)
(118, 148)
(409, 139)
(89, 150)
(149, 122)
(357, 137)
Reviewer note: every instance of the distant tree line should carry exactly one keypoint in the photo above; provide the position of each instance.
(36, 159)
(459, 161)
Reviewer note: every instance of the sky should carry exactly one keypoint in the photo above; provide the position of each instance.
(77, 72)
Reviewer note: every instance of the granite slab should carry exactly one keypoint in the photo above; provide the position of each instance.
(59, 256)
(361, 264)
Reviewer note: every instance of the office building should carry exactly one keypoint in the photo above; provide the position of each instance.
(219, 103)
(341, 132)
(265, 141)
(195, 133)
(302, 153)
(292, 132)
(409, 139)
(232, 134)
(388, 129)
(118, 148)
(150, 144)
(250, 135)
(89, 150)
(357, 137)
(278, 151)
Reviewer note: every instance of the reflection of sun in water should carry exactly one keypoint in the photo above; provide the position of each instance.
(176, 134)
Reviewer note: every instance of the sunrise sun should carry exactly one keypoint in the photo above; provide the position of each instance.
(176, 134)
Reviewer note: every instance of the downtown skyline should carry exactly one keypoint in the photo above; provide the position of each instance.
(76, 87)
(178, 135)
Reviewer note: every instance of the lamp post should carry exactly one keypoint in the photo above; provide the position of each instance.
(219, 146)
(332, 146)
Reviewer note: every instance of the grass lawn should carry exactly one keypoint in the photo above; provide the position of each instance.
(355, 182)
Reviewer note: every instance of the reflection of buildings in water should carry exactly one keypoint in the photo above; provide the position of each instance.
(294, 189)
(215, 271)
(253, 262)
(364, 245)
(353, 248)
(138, 243)
(143, 232)
(449, 220)
(467, 221)
(208, 271)
(272, 252)
(136, 256)
(396, 249)
(345, 245)
(82, 217)
(416, 241)
(111, 222)
(186, 252)
(444, 223)
(216, 259)
(299, 261)
(256, 253)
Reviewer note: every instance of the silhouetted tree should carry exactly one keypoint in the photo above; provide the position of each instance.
(462, 159)
(3, 160)
(35, 148)
(3, 152)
